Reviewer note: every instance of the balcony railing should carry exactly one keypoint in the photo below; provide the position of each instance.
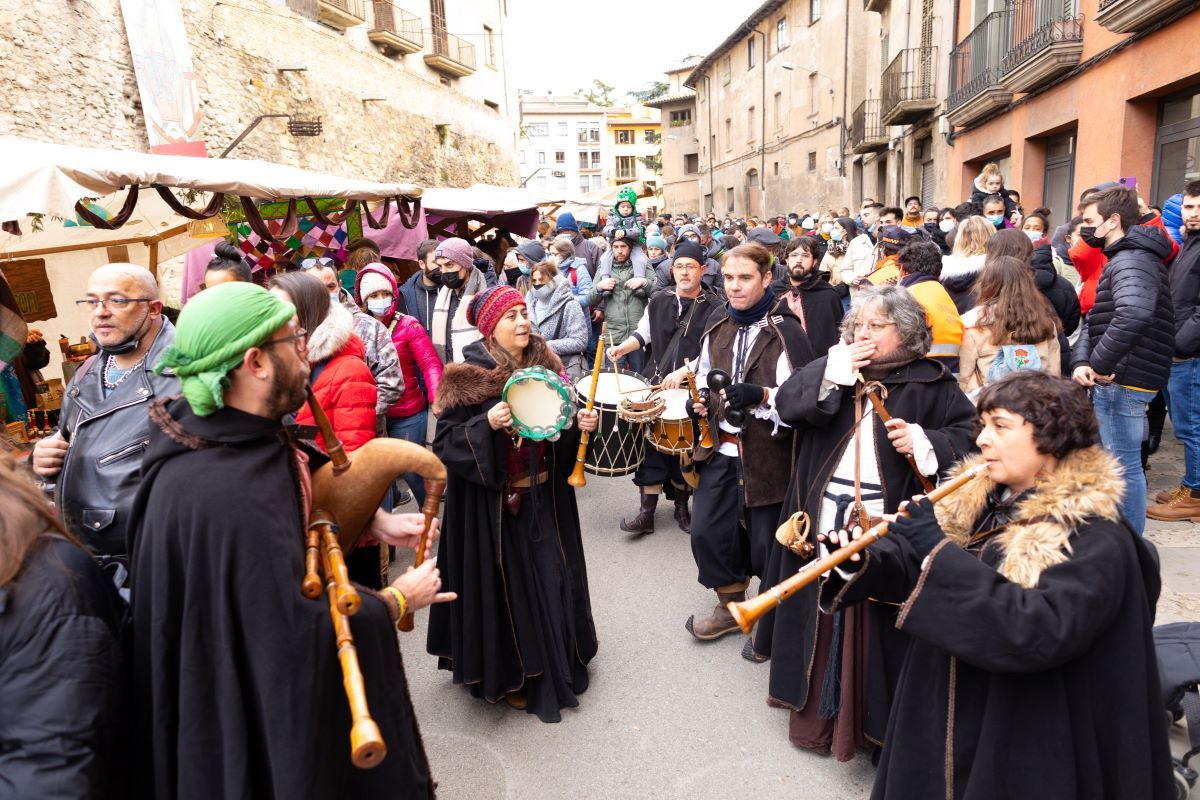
(1046, 41)
(396, 29)
(341, 14)
(975, 73)
(867, 134)
(450, 54)
(909, 86)
(1131, 16)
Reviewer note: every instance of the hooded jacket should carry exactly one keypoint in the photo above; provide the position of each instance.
(419, 300)
(979, 194)
(418, 362)
(344, 387)
(380, 354)
(560, 320)
(959, 274)
(583, 279)
(1184, 279)
(1055, 287)
(1130, 331)
(1089, 262)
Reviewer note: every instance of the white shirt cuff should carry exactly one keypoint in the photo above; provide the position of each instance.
(767, 411)
(923, 453)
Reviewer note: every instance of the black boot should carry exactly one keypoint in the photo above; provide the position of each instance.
(644, 521)
(682, 515)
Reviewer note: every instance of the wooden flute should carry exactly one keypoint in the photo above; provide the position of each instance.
(577, 478)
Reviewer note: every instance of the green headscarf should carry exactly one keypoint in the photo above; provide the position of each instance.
(214, 331)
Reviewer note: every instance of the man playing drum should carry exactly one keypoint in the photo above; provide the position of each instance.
(743, 478)
(674, 323)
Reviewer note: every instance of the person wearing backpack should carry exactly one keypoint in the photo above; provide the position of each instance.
(573, 268)
(1013, 327)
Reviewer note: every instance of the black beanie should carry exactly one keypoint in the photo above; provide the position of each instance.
(685, 248)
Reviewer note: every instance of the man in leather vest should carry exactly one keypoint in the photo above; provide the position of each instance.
(96, 455)
(674, 322)
(744, 476)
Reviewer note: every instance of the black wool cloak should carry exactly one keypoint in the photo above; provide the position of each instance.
(822, 309)
(1031, 671)
(523, 617)
(921, 392)
(237, 687)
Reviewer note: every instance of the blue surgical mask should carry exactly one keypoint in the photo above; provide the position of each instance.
(524, 268)
(379, 307)
(996, 219)
(1033, 235)
(835, 234)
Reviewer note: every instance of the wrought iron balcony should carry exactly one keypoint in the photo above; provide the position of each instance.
(909, 86)
(1131, 16)
(1046, 42)
(867, 134)
(341, 14)
(450, 54)
(396, 29)
(975, 76)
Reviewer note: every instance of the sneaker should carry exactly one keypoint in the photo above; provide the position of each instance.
(1169, 495)
(1183, 507)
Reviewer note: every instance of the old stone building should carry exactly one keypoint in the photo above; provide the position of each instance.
(680, 143)
(404, 90)
(562, 147)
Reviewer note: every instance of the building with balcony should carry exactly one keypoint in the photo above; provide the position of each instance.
(773, 103)
(680, 143)
(563, 146)
(634, 135)
(404, 90)
(1066, 94)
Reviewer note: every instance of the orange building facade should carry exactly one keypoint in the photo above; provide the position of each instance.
(1066, 94)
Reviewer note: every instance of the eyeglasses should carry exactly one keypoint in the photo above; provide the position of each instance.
(314, 262)
(300, 338)
(114, 303)
(874, 326)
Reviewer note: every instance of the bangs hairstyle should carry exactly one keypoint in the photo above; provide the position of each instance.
(807, 243)
(1058, 409)
(900, 307)
(308, 294)
(754, 252)
(544, 268)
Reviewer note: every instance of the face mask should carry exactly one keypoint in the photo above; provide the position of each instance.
(826, 228)
(835, 234)
(807, 224)
(379, 307)
(946, 225)
(996, 220)
(451, 280)
(127, 346)
(1090, 236)
(1033, 235)
(524, 269)
(334, 296)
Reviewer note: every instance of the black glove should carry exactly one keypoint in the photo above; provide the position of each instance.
(920, 527)
(744, 395)
(690, 407)
(832, 545)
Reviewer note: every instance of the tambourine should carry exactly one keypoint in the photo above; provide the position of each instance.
(540, 402)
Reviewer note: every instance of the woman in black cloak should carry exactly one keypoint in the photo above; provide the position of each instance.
(1029, 603)
(522, 627)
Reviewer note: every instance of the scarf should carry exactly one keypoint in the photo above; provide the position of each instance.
(881, 367)
(756, 312)
(450, 340)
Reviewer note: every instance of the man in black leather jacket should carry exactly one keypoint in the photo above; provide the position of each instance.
(96, 456)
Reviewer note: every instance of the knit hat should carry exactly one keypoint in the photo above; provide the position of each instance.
(626, 195)
(214, 331)
(566, 222)
(532, 251)
(764, 236)
(689, 249)
(686, 229)
(372, 282)
(490, 305)
(457, 250)
(656, 241)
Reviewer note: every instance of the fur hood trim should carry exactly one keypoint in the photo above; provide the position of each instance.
(960, 266)
(331, 335)
(1086, 484)
(476, 381)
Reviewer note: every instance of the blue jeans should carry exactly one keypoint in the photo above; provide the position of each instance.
(1121, 413)
(1184, 394)
(411, 429)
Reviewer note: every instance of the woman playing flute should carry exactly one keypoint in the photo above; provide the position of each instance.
(1029, 602)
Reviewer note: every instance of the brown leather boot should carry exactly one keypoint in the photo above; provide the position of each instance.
(1184, 506)
(720, 623)
(644, 521)
(1170, 494)
(682, 516)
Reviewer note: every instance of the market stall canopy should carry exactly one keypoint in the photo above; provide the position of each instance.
(587, 207)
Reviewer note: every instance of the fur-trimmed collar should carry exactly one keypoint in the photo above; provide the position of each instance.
(331, 335)
(481, 379)
(954, 266)
(1086, 484)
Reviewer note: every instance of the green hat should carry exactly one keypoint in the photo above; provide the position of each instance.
(214, 331)
(626, 194)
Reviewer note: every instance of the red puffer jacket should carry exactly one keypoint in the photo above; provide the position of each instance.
(345, 387)
(412, 345)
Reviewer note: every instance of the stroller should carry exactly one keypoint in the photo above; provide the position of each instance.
(1178, 648)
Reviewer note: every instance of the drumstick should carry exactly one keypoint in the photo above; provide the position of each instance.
(616, 372)
(643, 389)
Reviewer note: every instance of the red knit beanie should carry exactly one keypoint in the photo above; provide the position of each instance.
(490, 305)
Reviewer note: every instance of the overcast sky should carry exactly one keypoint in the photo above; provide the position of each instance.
(627, 45)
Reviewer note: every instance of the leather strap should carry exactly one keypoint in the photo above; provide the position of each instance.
(872, 391)
(726, 437)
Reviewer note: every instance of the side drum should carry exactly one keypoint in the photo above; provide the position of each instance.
(619, 444)
(672, 432)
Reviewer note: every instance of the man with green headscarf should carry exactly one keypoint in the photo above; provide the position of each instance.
(237, 685)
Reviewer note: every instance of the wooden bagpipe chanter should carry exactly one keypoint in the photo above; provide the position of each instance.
(346, 493)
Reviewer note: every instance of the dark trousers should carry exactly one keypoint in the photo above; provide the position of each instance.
(659, 469)
(729, 546)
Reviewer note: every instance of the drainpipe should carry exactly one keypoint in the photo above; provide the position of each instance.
(762, 137)
(712, 156)
(845, 89)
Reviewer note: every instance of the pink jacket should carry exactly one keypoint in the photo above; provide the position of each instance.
(414, 348)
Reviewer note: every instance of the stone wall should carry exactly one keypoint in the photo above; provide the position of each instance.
(68, 78)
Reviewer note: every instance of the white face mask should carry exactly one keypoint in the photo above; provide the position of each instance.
(379, 307)
(1033, 235)
(334, 296)
(946, 225)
